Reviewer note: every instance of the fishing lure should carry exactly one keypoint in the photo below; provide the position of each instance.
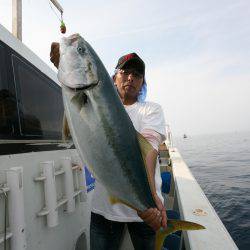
(63, 27)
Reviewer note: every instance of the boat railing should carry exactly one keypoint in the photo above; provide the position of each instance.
(194, 206)
(169, 137)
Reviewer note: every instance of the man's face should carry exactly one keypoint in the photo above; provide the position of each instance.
(129, 82)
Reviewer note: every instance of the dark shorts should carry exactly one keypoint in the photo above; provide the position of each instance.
(107, 235)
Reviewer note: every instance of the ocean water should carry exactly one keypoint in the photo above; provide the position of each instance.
(221, 165)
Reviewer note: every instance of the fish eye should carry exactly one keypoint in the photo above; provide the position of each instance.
(80, 50)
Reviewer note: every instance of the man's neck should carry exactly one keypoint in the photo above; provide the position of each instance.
(128, 101)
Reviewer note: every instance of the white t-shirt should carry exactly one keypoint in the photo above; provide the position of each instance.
(144, 115)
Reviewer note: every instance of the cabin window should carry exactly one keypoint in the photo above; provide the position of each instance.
(40, 106)
(8, 114)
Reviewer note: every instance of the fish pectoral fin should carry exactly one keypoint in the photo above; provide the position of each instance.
(65, 129)
(173, 226)
(79, 99)
(114, 200)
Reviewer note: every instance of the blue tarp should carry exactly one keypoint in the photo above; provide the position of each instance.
(90, 180)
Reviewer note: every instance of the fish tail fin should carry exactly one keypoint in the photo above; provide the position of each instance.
(160, 237)
(173, 226)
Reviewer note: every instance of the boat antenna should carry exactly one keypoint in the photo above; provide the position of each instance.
(60, 9)
(17, 19)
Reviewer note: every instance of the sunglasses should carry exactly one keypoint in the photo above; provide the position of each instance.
(127, 72)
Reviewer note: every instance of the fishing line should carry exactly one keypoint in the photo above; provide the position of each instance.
(60, 19)
(62, 25)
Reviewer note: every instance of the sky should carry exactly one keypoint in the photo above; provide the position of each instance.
(197, 52)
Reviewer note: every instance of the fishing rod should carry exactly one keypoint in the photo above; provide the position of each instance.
(17, 17)
(60, 9)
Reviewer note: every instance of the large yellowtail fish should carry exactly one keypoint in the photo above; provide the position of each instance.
(103, 132)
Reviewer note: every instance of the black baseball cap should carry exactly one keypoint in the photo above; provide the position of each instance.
(132, 60)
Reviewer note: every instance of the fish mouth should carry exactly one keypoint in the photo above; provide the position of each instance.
(85, 87)
(89, 86)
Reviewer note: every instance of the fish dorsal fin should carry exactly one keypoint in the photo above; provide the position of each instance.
(65, 129)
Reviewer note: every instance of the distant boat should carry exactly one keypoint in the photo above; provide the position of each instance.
(184, 136)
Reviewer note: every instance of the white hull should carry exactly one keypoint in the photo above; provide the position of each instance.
(38, 233)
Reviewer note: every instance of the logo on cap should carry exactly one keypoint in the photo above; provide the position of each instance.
(132, 56)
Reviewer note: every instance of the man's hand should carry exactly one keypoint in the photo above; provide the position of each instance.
(155, 217)
(55, 54)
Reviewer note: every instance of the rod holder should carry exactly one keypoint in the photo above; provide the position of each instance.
(82, 185)
(16, 208)
(50, 193)
(69, 184)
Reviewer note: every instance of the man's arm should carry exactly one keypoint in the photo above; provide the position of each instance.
(154, 217)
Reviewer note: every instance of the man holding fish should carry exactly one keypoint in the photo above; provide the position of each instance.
(117, 134)
(107, 219)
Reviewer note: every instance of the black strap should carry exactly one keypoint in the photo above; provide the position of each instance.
(5, 217)
(5, 220)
